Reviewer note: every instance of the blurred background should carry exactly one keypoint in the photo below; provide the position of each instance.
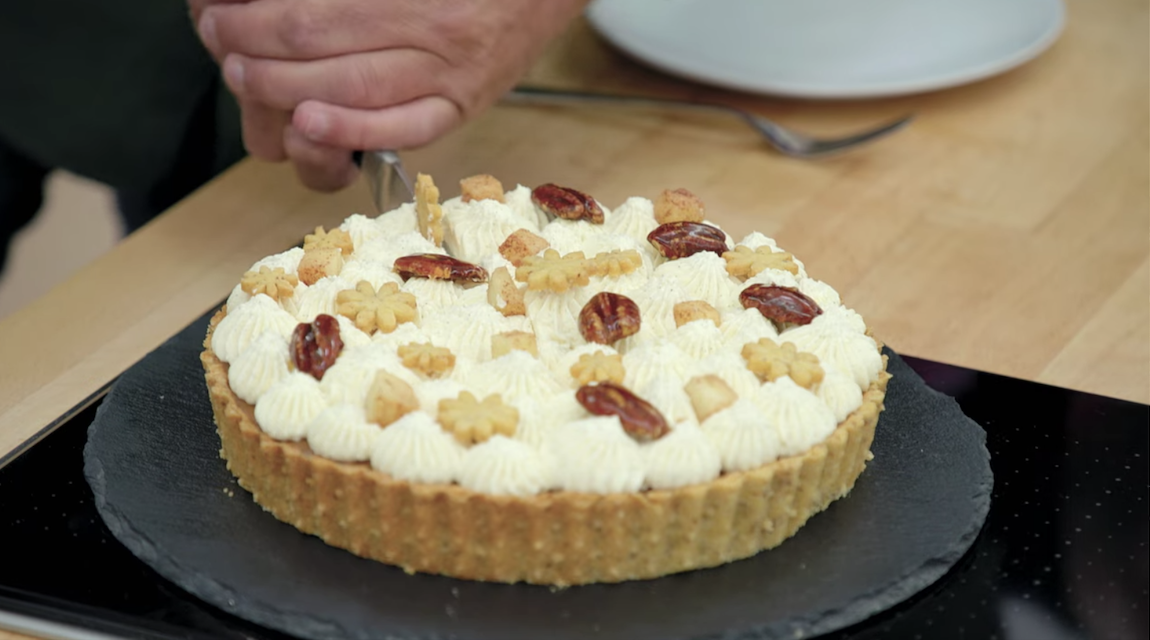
(76, 225)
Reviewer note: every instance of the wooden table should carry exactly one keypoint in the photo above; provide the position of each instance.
(1007, 230)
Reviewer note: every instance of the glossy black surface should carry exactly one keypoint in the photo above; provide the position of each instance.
(1063, 553)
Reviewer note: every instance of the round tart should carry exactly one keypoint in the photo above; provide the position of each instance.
(527, 386)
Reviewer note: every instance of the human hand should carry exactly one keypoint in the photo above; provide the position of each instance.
(264, 128)
(369, 74)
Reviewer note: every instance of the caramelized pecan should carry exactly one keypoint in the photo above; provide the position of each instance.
(566, 203)
(781, 304)
(438, 267)
(641, 421)
(685, 238)
(316, 345)
(608, 317)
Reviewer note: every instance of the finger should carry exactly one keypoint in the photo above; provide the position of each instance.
(403, 126)
(299, 30)
(319, 167)
(360, 80)
(263, 130)
(196, 7)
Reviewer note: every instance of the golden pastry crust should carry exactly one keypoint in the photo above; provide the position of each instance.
(521, 244)
(508, 341)
(678, 205)
(544, 539)
(481, 187)
(319, 263)
(693, 310)
(504, 295)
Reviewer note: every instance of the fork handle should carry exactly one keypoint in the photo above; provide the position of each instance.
(536, 95)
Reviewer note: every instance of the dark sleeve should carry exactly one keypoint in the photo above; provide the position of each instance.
(115, 90)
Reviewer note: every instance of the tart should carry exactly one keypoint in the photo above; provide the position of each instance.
(527, 386)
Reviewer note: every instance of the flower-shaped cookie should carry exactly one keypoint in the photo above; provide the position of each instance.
(274, 283)
(428, 213)
(472, 422)
(614, 263)
(554, 272)
(743, 262)
(598, 367)
(334, 239)
(373, 310)
(427, 359)
(769, 361)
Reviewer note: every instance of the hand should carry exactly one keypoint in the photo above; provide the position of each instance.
(370, 74)
(263, 127)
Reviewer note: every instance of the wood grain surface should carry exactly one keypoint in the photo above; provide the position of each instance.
(1006, 230)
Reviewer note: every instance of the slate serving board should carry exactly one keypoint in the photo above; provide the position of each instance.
(152, 460)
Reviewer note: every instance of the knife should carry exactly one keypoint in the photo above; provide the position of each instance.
(389, 183)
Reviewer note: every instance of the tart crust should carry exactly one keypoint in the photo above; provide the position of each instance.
(556, 538)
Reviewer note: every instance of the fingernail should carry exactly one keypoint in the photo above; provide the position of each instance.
(316, 126)
(234, 73)
(207, 31)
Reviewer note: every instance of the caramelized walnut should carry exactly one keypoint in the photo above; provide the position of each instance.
(435, 266)
(780, 304)
(315, 345)
(567, 203)
(682, 239)
(640, 419)
(609, 317)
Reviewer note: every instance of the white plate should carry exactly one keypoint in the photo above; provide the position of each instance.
(831, 48)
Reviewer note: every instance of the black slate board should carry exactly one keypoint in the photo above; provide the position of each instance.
(152, 461)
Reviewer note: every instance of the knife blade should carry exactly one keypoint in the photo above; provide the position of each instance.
(387, 179)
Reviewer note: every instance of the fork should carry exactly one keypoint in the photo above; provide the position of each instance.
(786, 141)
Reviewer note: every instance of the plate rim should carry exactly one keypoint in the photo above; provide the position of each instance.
(640, 48)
